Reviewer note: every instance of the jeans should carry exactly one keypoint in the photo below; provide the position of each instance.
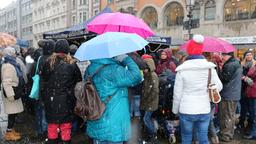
(106, 142)
(252, 107)
(197, 123)
(41, 123)
(149, 123)
(135, 106)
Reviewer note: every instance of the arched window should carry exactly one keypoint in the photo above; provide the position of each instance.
(210, 10)
(196, 11)
(253, 9)
(174, 14)
(149, 15)
(237, 10)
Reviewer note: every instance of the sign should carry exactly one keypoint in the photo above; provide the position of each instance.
(159, 40)
(194, 24)
(240, 40)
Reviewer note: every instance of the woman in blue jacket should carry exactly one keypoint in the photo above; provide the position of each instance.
(113, 80)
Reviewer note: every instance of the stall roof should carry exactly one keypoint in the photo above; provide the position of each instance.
(159, 40)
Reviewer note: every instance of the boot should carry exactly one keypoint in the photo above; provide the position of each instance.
(66, 142)
(16, 133)
(11, 136)
(51, 141)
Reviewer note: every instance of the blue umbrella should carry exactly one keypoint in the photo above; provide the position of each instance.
(110, 44)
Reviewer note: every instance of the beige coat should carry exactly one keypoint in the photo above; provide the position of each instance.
(9, 79)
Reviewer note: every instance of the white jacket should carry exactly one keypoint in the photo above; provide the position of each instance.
(190, 89)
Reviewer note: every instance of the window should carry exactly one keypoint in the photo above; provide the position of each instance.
(253, 9)
(84, 16)
(81, 2)
(173, 14)
(110, 1)
(84, 2)
(96, 12)
(196, 11)
(149, 15)
(210, 10)
(81, 17)
(73, 20)
(73, 4)
(96, 1)
(237, 9)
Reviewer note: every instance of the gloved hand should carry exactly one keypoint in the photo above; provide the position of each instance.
(120, 58)
(11, 99)
(212, 86)
(249, 81)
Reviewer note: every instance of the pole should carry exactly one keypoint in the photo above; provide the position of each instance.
(190, 21)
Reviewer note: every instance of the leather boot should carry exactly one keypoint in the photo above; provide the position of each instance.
(11, 136)
(66, 142)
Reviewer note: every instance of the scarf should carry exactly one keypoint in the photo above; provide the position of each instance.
(12, 60)
(191, 57)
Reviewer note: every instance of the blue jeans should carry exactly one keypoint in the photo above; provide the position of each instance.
(41, 123)
(199, 123)
(149, 123)
(106, 142)
(135, 106)
(252, 107)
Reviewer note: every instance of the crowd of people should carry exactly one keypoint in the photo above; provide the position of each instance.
(129, 85)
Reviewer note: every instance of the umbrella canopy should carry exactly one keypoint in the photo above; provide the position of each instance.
(119, 22)
(6, 40)
(212, 44)
(110, 44)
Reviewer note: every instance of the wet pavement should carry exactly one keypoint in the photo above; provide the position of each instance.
(28, 134)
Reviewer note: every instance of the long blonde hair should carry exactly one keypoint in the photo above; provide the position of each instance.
(64, 57)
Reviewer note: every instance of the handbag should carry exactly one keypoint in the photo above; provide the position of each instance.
(34, 93)
(214, 94)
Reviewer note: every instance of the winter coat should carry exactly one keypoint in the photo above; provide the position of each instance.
(58, 90)
(114, 79)
(190, 89)
(150, 94)
(230, 76)
(10, 79)
(165, 64)
(137, 90)
(251, 90)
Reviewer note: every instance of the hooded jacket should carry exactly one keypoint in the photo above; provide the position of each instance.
(166, 64)
(190, 89)
(114, 125)
(150, 94)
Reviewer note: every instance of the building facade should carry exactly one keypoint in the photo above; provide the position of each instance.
(26, 25)
(10, 18)
(58, 15)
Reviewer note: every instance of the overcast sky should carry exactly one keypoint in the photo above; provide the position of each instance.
(4, 3)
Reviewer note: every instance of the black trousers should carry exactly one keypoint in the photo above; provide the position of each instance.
(11, 120)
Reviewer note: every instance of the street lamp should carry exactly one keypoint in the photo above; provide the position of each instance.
(190, 5)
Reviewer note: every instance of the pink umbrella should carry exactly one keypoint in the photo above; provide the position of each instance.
(119, 22)
(212, 44)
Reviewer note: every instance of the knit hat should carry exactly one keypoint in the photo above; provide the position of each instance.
(247, 52)
(9, 51)
(195, 46)
(62, 46)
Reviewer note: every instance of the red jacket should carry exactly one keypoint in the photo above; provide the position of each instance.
(251, 90)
